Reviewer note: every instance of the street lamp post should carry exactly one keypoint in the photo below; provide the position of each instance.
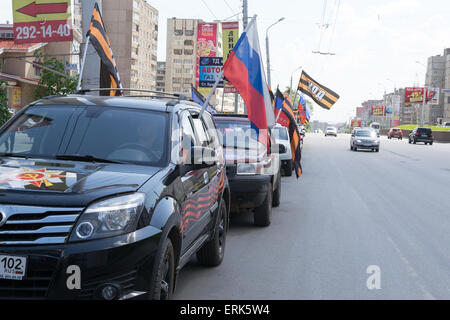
(292, 75)
(425, 93)
(267, 51)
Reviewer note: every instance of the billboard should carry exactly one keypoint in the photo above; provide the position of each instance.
(43, 21)
(206, 47)
(378, 110)
(355, 123)
(210, 69)
(230, 36)
(415, 95)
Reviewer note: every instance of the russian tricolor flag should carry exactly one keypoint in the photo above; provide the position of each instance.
(244, 69)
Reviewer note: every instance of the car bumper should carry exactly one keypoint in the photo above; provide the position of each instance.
(125, 261)
(420, 139)
(367, 146)
(248, 192)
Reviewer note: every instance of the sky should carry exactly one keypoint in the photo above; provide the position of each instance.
(375, 43)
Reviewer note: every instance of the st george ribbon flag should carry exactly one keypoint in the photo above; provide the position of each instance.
(288, 120)
(321, 95)
(244, 69)
(109, 76)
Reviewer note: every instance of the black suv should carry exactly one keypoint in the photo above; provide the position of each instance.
(108, 197)
(421, 135)
(253, 172)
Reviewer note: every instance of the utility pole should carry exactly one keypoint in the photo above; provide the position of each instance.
(91, 74)
(245, 23)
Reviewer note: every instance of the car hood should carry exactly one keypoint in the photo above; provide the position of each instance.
(67, 182)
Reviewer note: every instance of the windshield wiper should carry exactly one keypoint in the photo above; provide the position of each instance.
(16, 155)
(87, 158)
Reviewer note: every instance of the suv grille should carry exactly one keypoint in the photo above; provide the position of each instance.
(29, 225)
(35, 284)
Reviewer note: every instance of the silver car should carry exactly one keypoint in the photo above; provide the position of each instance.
(367, 139)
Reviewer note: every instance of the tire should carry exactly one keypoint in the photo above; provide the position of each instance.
(289, 169)
(163, 281)
(431, 143)
(213, 251)
(414, 142)
(263, 213)
(377, 150)
(276, 198)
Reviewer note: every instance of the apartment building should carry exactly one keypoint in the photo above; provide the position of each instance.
(132, 27)
(181, 55)
(161, 76)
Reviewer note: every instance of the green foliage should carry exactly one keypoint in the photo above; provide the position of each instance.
(52, 83)
(4, 112)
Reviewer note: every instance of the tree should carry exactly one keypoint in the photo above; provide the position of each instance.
(52, 83)
(4, 111)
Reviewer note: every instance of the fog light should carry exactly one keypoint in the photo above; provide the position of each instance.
(85, 230)
(110, 292)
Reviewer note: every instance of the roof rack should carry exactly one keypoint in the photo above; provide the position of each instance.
(158, 94)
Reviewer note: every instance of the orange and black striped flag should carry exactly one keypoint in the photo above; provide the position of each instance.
(109, 76)
(321, 95)
(294, 135)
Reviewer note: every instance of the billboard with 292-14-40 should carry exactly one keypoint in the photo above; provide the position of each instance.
(42, 21)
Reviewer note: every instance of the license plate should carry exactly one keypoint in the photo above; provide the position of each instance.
(12, 267)
(424, 136)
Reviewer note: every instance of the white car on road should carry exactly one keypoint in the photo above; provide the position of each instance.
(281, 135)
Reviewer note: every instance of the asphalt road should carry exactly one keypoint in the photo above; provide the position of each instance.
(349, 211)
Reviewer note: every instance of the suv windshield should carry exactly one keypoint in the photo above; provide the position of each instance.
(280, 133)
(112, 134)
(237, 134)
(365, 133)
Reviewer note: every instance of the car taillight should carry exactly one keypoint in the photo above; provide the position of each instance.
(417, 134)
(431, 134)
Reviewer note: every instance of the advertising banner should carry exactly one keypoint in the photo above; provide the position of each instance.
(16, 97)
(378, 110)
(206, 47)
(356, 123)
(210, 69)
(42, 21)
(433, 95)
(414, 95)
(230, 36)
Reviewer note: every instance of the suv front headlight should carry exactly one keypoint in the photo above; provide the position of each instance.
(109, 218)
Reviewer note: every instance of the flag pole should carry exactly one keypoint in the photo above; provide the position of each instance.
(83, 62)
(220, 77)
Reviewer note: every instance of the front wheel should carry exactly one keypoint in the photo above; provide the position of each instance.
(263, 213)
(213, 251)
(289, 169)
(162, 285)
(277, 194)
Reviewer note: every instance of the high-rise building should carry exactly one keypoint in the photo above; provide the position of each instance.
(181, 55)
(161, 76)
(445, 93)
(435, 78)
(132, 27)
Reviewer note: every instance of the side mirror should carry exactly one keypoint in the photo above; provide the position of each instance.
(280, 148)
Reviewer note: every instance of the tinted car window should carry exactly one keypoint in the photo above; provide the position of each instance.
(38, 131)
(424, 130)
(125, 135)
